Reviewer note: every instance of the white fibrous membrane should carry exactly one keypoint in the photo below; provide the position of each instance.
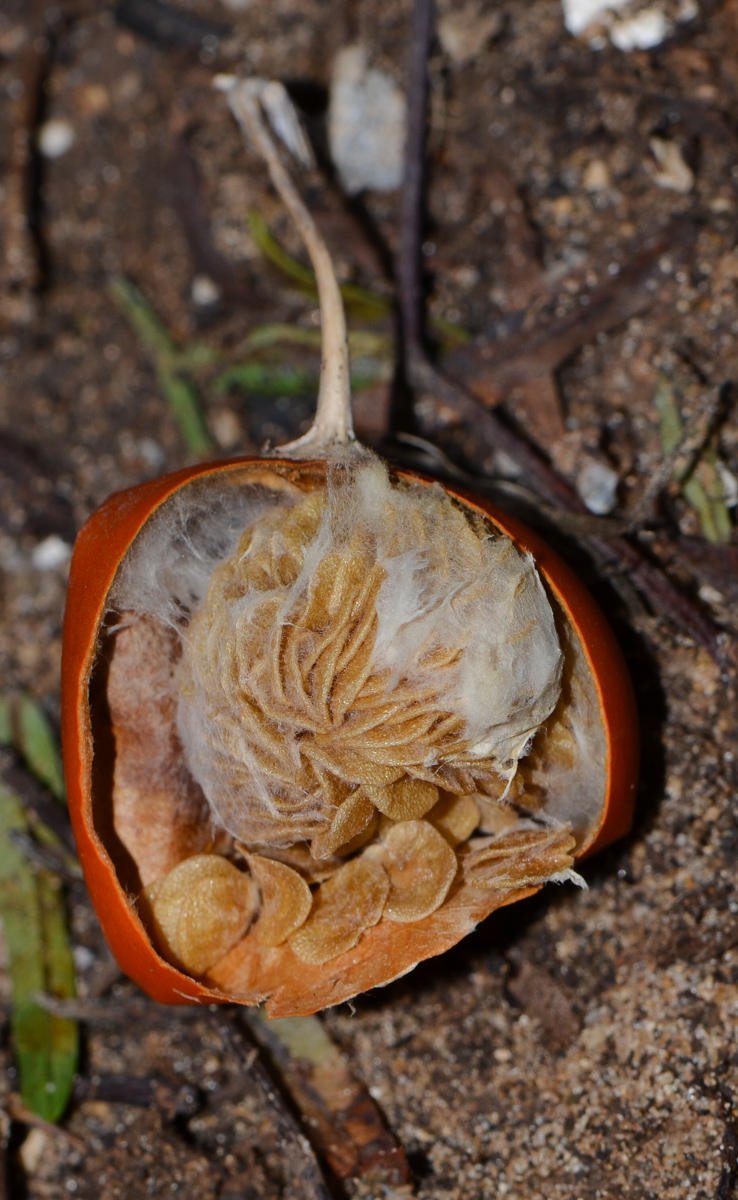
(361, 647)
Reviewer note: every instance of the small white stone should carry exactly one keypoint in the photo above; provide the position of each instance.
(730, 484)
(580, 14)
(51, 553)
(225, 427)
(204, 291)
(83, 957)
(642, 31)
(710, 595)
(597, 486)
(688, 10)
(465, 32)
(674, 173)
(55, 137)
(33, 1149)
(596, 177)
(152, 453)
(366, 124)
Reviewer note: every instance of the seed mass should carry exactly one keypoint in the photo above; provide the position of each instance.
(346, 692)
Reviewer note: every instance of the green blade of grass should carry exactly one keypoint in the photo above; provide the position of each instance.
(171, 364)
(263, 337)
(276, 254)
(148, 326)
(369, 305)
(671, 427)
(184, 401)
(40, 961)
(6, 723)
(60, 982)
(361, 341)
(701, 484)
(266, 380)
(35, 741)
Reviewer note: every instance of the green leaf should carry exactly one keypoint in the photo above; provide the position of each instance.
(148, 326)
(171, 364)
(276, 254)
(701, 484)
(6, 724)
(184, 401)
(670, 421)
(266, 380)
(369, 305)
(32, 915)
(36, 743)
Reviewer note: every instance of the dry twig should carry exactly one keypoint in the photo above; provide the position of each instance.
(345, 1124)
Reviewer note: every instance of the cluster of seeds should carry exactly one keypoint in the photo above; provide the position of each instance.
(325, 697)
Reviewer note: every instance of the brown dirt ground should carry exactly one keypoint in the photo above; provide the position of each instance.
(560, 1051)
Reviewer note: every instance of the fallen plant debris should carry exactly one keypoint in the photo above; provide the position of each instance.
(141, 1091)
(537, 339)
(34, 924)
(343, 1121)
(700, 481)
(23, 264)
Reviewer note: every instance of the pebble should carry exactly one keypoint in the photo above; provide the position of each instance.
(366, 124)
(674, 173)
(642, 31)
(596, 177)
(580, 14)
(204, 291)
(466, 32)
(55, 138)
(32, 1150)
(597, 485)
(51, 553)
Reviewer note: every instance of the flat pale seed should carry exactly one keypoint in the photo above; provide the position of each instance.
(456, 817)
(343, 907)
(286, 900)
(519, 859)
(299, 858)
(421, 867)
(361, 839)
(353, 817)
(407, 800)
(200, 910)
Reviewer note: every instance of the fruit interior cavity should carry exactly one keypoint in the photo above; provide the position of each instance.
(344, 671)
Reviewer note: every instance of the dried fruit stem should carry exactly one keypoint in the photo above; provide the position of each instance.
(333, 424)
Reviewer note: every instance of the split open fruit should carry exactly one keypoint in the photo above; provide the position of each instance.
(321, 718)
